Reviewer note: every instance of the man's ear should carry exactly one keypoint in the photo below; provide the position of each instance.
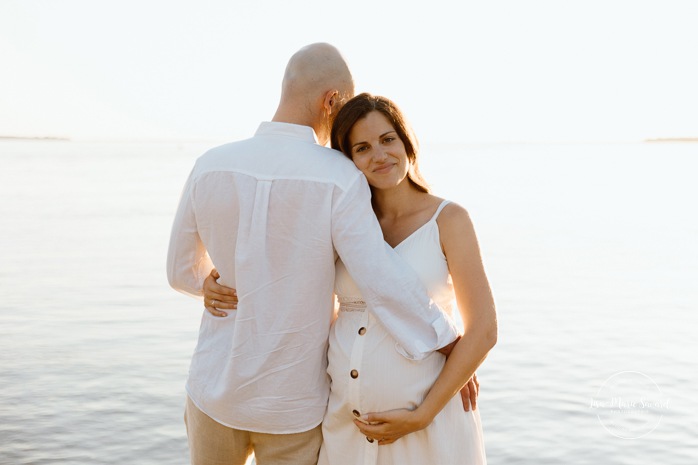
(331, 97)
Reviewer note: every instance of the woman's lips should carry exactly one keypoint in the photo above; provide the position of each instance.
(384, 168)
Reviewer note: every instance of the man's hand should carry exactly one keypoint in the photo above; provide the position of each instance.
(388, 427)
(217, 297)
(469, 393)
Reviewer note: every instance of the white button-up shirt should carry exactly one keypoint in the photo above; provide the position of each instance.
(269, 213)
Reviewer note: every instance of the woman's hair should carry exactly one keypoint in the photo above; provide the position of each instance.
(360, 106)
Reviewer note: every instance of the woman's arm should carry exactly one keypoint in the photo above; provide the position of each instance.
(477, 310)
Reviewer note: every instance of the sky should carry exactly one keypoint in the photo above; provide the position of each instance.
(466, 71)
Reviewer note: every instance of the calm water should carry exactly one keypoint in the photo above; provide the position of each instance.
(591, 251)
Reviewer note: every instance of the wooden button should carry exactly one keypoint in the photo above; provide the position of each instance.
(356, 413)
(362, 331)
(354, 374)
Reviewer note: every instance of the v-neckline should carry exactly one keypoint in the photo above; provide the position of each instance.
(433, 218)
(413, 233)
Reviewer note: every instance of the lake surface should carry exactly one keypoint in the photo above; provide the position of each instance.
(591, 250)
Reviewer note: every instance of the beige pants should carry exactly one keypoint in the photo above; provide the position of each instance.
(211, 443)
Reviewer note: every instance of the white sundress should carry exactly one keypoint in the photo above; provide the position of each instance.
(369, 375)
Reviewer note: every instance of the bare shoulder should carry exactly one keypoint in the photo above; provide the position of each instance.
(454, 215)
(456, 227)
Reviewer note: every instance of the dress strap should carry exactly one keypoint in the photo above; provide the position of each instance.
(438, 210)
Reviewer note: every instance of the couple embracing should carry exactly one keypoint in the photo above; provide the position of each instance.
(270, 229)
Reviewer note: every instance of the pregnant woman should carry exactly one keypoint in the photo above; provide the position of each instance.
(377, 395)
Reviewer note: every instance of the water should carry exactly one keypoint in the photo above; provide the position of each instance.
(591, 251)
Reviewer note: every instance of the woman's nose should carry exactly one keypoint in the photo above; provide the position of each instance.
(379, 154)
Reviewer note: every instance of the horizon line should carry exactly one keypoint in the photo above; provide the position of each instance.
(171, 140)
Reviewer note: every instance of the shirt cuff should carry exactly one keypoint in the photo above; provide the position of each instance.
(445, 332)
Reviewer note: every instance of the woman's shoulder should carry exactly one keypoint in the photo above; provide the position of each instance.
(451, 211)
(454, 221)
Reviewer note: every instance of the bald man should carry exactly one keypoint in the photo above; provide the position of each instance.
(271, 213)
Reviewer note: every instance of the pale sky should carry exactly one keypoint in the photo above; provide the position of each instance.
(463, 71)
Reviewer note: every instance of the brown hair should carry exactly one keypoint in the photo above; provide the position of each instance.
(360, 106)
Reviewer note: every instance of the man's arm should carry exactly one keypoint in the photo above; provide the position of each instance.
(391, 289)
(188, 263)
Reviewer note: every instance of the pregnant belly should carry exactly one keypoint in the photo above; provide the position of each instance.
(368, 374)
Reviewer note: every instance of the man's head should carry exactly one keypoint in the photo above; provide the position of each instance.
(316, 84)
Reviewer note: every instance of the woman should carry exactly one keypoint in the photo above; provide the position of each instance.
(417, 398)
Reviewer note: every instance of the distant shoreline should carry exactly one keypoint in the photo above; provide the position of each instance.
(67, 139)
(673, 139)
(33, 138)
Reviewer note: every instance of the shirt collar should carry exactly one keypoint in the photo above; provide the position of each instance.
(298, 131)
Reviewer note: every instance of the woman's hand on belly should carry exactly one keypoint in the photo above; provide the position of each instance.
(387, 427)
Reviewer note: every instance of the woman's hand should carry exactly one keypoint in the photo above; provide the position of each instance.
(217, 297)
(388, 427)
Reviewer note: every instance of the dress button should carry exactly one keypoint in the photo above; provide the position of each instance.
(369, 439)
(354, 374)
(356, 413)
(362, 331)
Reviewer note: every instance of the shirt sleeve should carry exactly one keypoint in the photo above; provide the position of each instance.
(188, 263)
(391, 289)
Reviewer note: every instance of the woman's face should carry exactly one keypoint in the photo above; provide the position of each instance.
(378, 151)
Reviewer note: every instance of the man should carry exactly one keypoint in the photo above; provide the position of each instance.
(270, 212)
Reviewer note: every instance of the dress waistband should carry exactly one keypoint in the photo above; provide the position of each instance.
(351, 304)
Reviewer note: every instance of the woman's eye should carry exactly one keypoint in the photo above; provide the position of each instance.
(388, 139)
(361, 149)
